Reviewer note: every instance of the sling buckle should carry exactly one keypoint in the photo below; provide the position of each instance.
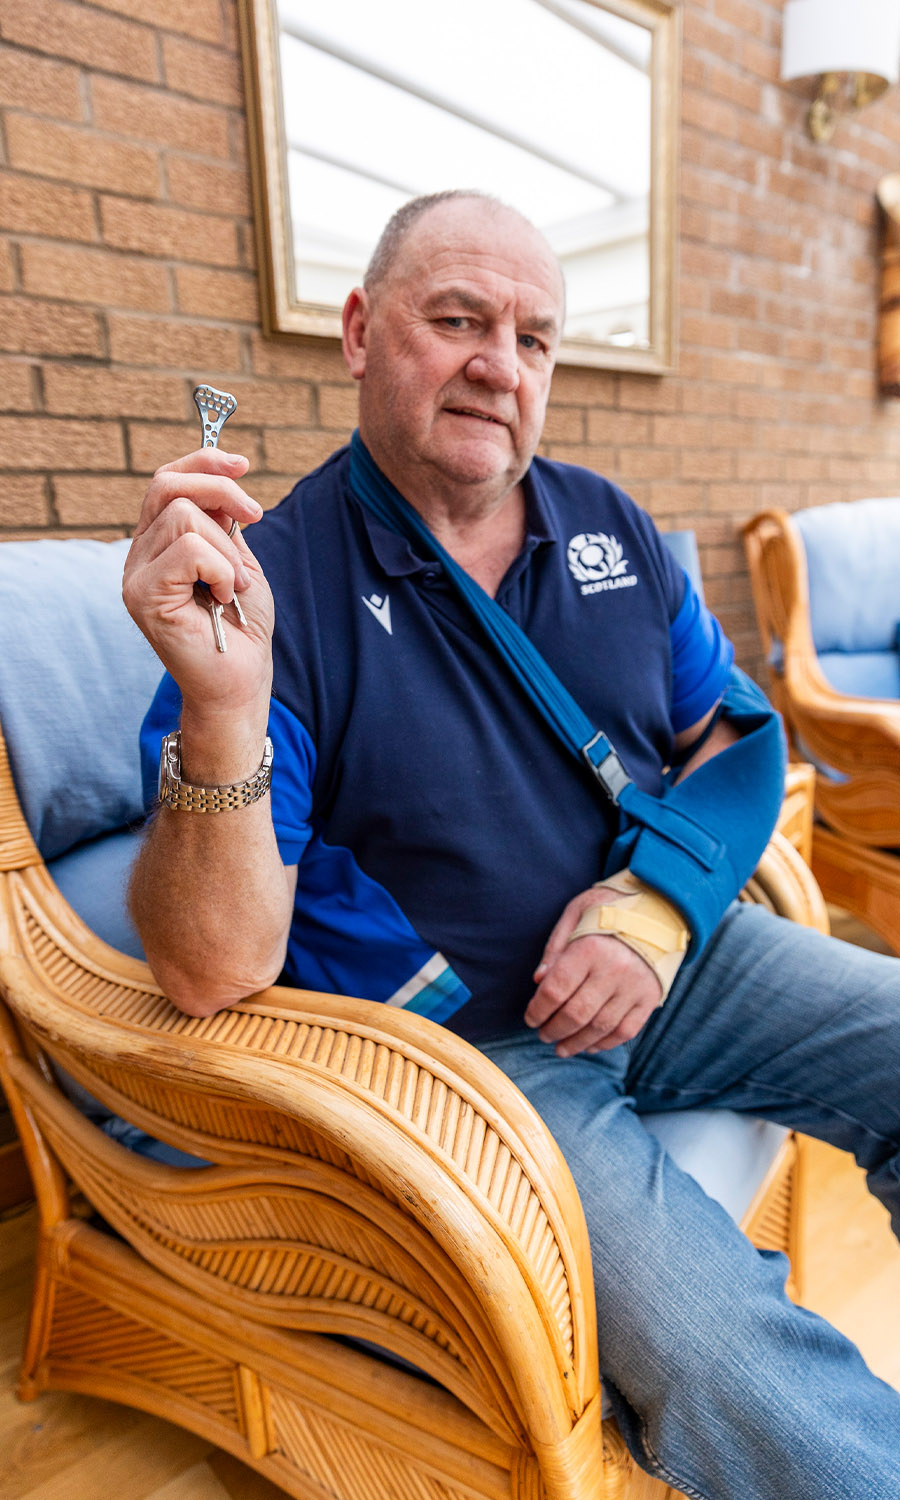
(609, 771)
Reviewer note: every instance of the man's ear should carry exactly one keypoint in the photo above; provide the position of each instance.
(355, 324)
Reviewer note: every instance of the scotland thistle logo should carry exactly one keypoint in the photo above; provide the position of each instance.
(596, 562)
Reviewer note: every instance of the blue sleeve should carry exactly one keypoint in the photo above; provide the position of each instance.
(293, 766)
(701, 660)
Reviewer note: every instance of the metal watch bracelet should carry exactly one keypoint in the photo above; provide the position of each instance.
(182, 797)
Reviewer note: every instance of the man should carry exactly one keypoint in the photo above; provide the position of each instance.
(429, 841)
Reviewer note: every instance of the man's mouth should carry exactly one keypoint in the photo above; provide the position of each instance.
(470, 411)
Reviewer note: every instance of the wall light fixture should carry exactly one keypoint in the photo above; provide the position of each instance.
(852, 49)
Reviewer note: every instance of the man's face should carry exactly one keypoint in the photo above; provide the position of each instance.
(454, 351)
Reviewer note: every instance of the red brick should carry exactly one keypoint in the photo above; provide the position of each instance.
(37, 83)
(707, 398)
(291, 452)
(638, 393)
(159, 230)
(247, 243)
(50, 443)
(202, 72)
(760, 464)
(23, 500)
(619, 427)
(269, 489)
(710, 333)
(32, 327)
(76, 391)
(199, 184)
(199, 18)
(272, 403)
(697, 432)
(159, 118)
(706, 36)
(647, 463)
(576, 385)
(231, 295)
(104, 277)
(564, 424)
(30, 207)
(7, 268)
(16, 386)
(702, 463)
(308, 358)
(195, 348)
(152, 443)
(89, 500)
(64, 29)
(81, 156)
(339, 408)
(670, 497)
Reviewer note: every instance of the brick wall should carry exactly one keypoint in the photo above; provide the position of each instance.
(127, 272)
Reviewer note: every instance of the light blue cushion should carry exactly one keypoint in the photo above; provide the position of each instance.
(94, 878)
(853, 561)
(76, 676)
(683, 547)
(727, 1153)
(863, 674)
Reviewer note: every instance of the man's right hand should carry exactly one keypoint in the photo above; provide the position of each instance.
(182, 538)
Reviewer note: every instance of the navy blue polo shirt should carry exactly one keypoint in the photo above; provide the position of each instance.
(438, 825)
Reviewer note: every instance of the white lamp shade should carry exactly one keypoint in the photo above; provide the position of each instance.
(841, 36)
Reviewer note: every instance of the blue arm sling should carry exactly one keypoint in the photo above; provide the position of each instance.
(697, 843)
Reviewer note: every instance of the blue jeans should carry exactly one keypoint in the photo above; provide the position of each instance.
(721, 1385)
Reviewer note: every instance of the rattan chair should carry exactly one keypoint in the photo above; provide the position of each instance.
(373, 1180)
(373, 1176)
(824, 586)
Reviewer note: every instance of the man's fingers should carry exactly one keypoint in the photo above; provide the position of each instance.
(189, 546)
(560, 977)
(208, 461)
(592, 1006)
(594, 1039)
(212, 489)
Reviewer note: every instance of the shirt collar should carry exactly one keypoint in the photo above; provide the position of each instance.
(397, 559)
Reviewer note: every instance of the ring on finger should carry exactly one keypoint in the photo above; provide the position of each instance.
(232, 529)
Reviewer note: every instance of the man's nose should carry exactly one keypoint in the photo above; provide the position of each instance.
(496, 361)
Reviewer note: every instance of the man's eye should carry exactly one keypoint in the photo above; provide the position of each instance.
(530, 341)
(455, 320)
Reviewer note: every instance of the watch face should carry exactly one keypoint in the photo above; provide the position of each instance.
(169, 751)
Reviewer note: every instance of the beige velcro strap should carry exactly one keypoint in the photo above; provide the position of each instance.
(644, 920)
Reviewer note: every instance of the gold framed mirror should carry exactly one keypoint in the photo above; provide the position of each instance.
(566, 109)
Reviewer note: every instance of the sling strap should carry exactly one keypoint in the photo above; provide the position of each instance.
(696, 845)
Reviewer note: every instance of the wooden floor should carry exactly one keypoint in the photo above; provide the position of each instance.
(65, 1447)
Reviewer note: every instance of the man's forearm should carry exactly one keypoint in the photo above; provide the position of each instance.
(210, 896)
(212, 902)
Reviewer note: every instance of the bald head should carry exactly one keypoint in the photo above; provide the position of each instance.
(400, 226)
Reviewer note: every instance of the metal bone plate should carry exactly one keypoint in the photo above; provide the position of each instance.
(215, 407)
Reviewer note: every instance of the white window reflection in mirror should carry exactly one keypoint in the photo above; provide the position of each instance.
(564, 109)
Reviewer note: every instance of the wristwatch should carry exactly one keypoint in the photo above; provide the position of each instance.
(180, 795)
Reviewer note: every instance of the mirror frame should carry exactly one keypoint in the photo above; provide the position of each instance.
(283, 314)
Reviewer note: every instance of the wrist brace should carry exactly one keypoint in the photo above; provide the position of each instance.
(643, 920)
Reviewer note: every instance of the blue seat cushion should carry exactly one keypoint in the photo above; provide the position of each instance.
(727, 1153)
(853, 561)
(862, 674)
(94, 878)
(76, 676)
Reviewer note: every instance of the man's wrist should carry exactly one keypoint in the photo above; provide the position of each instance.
(642, 919)
(181, 795)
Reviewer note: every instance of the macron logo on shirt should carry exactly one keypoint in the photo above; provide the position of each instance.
(381, 609)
